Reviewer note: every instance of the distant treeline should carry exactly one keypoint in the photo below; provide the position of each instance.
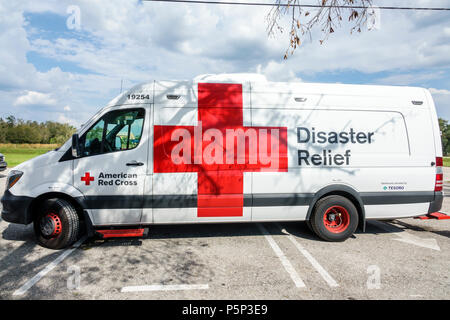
(14, 130)
(445, 136)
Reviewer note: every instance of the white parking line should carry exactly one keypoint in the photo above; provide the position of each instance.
(325, 275)
(160, 287)
(284, 261)
(48, 268)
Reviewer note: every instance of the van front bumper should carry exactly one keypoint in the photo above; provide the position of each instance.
(3, 165)
(15, 208)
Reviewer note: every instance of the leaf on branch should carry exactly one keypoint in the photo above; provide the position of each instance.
(330, 14)
(353, 15)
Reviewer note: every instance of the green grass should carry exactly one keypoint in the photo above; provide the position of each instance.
(18, 153)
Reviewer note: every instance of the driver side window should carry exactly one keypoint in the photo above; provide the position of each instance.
(94, 138)
(116, 131)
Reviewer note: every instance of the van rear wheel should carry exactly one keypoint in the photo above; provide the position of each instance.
(335, 218)
(57, 224)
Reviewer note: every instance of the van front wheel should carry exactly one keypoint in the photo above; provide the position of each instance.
(335, 218)
(57, 224)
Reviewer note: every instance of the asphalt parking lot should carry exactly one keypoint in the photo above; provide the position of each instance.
(400, 259)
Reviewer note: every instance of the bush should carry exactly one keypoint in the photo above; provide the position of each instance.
(14, 130)
(445, 136)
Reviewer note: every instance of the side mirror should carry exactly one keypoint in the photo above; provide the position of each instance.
(76, 152)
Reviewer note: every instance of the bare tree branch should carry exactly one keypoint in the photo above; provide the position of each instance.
(328, 17)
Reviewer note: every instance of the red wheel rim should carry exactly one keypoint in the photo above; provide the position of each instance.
(336, 219)
(51, 225)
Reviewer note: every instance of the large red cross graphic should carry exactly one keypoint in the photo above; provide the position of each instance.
(220, 185)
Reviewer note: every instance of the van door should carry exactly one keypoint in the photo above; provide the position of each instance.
(193, 180)
(112, 170)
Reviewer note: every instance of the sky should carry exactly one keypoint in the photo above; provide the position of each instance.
(63, 60)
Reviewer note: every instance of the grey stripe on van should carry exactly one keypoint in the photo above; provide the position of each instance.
(396, 197)
(255, 200)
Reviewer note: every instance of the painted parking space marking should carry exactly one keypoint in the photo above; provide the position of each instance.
(325, 275)
(160, 287)
(30, 283)
(284, 260)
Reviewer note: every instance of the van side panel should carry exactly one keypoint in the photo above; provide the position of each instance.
(180, 110)
(177, 191)
(422, 139)
(376, 145)
(373, 141)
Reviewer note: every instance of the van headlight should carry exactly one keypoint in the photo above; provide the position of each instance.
(13, 177)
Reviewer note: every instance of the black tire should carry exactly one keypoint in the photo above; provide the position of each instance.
(61, 217)
(308, 224)
(334, 205)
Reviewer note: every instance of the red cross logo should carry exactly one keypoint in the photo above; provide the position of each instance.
(87, 178)
(220, 149)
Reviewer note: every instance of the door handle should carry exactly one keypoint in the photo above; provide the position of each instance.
(135, 163)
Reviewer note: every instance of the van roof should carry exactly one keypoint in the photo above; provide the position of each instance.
(259, 83)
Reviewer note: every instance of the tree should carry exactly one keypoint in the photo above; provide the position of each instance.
(445, 135)
(329, 15)
(3, 128)
(19, 131)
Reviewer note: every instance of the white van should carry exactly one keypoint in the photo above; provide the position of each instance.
(237, 149)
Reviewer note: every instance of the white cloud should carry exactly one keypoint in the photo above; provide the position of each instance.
(275, 71)
(442, 103)
(439, 91)
(411, 78)
(35, 98)
(143, 40)
(137, 42)
(62, 118)
(441, 99)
